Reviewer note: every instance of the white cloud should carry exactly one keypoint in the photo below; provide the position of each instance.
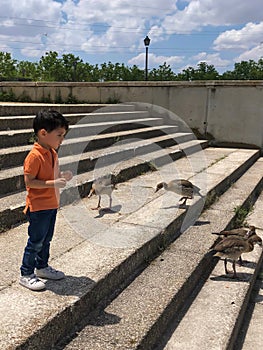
(254, 54)
(154, 60)
(250, 35)
(200, 13)
(211, 59)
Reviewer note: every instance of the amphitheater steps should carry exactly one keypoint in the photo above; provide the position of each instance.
(101, 253)
(250, 334)
(137, 275)
(90, 145)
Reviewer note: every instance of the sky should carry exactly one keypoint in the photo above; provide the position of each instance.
(183, 33)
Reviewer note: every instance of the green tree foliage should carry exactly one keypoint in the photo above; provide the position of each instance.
(164, 72)
(27, 70)
(246, 70)
(71, 68)
(135, 74)
(203, 72)
(51, 68)
(7, 66)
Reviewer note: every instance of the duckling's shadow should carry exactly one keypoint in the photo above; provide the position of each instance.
(201, 223)
(249, 264)
(104, 211)
(103, 319)
(178, 206)
(241, 277)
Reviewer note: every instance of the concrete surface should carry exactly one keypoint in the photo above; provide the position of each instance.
(97, 250)
(137, 317)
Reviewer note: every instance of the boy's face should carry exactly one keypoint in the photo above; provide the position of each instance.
(52, 139)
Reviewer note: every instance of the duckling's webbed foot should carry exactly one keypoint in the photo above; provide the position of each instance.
(97, 208)
(234, 269)
(184, 202)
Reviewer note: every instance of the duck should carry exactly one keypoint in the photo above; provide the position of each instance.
(182, 187)
(244, 232)
(232, 247)
(100, 187)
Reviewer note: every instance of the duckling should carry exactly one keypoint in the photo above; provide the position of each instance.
(233, 246)
(182, 187)
(102, 186)
(243, 232)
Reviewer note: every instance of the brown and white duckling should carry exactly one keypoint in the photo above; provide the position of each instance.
(185, 188)
(100, 187)
(243, 232)
(233, 246)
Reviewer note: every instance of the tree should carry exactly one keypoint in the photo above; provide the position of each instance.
(27, 70)
(71, 68)
(203, 72)
(51, 68)
(164, 72)
(135, 74)
(7, 66)
(246, 70)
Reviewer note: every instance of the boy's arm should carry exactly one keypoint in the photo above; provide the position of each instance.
(32, 182)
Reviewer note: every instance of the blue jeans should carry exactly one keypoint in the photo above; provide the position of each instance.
(40, 232)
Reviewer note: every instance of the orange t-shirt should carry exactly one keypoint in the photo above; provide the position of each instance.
(42, 163)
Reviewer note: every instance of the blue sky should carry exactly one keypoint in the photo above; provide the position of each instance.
(183, 33)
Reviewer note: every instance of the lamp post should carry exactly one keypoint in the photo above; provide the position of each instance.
(146, 43)
(75, 70)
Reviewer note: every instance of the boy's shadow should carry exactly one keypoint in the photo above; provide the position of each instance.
(70, 285)
(78, 286)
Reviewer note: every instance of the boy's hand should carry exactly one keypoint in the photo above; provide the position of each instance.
(60, 182)
(67, 175)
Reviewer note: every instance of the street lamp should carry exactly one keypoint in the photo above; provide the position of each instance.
(146, 43)
(75, 70)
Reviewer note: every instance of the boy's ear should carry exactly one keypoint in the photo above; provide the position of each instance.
(42, 132)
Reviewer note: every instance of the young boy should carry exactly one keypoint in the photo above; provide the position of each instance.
(43, 181)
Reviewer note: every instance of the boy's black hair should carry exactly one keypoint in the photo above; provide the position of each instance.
(49, 120)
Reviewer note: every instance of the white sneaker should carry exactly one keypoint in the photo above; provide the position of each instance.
(32, 282)
(50, 273)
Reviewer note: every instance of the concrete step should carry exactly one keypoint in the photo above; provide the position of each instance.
(250, 335)
(14, 156)
(100, 251)
(26, 121)
(10, 138)
(219, 307)
(124, 162)
(19, 109)
(141, 313)
(80, 130)
(12, 179)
